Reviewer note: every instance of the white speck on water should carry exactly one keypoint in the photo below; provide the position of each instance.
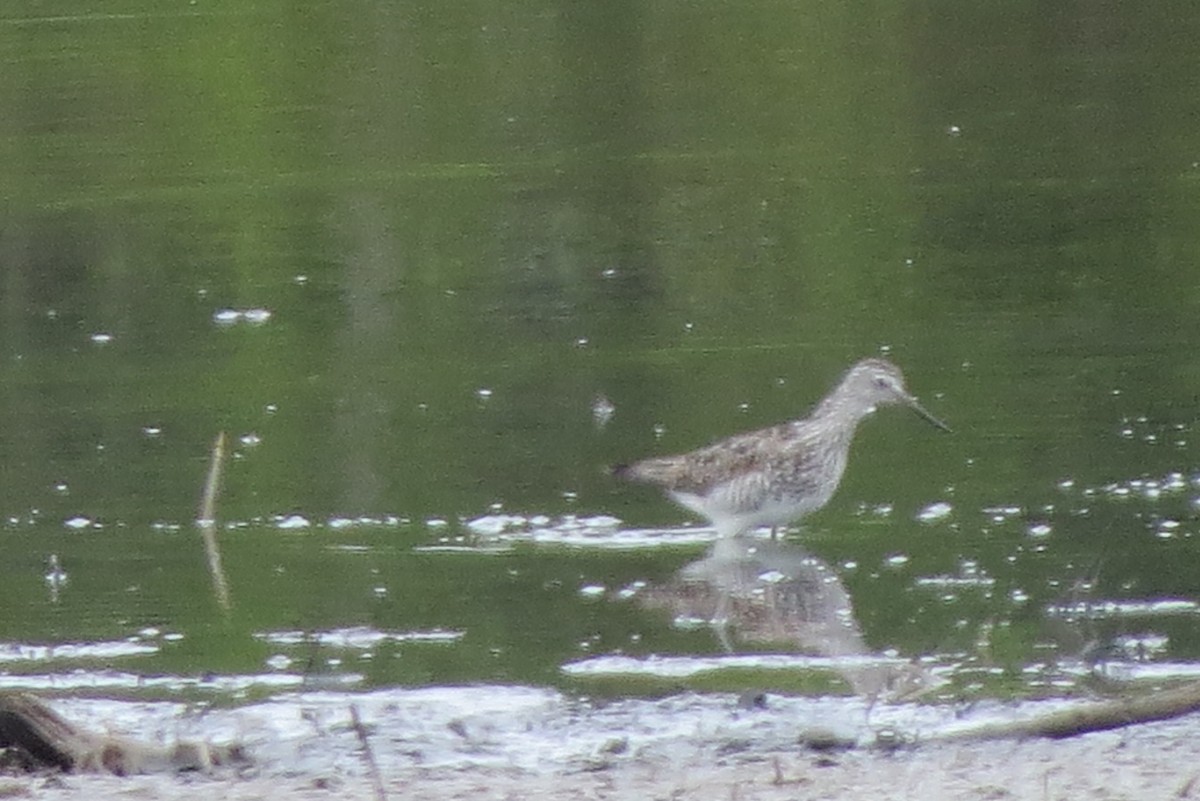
(492, 525)
(631, 589)
(850, 565)
(581, 342)
(227, 317)
(602, 410)
(610, 272)
(688, 326)
(772, 577)
(1018, 596)
(61, 488)
(250, 440)
(999, 514)
(935, 512)
(570, 496)
(101, 338)
(659, 429)
(592, 590)
(1039, 530)
(270, 408)
(483, 393)
(1066, 484)
(292, 522)
(79, 522)
(896, 560)
(743, 407)
(279, 662)
(300, 279)
(436, 522)
(953, 130)
(379, 592)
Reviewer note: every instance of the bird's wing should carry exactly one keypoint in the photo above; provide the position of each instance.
(743, 459)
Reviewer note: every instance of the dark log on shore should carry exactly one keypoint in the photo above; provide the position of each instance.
(45, 739)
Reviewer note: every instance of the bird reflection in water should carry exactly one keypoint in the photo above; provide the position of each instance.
(775, 593)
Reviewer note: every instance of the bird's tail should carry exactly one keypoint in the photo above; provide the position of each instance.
(624, 472)
(659, 471)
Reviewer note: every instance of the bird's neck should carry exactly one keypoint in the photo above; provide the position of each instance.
(841, 410)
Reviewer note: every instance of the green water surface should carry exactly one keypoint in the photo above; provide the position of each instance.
(468, 220)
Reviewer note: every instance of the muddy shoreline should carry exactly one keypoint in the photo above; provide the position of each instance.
(521, 742)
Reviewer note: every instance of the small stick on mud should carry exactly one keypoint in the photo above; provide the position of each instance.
(208, 523)
(368, 755)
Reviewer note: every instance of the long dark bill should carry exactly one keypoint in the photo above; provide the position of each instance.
(923, 412)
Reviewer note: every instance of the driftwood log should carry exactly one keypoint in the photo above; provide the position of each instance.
(1097, 716)
(42, 738)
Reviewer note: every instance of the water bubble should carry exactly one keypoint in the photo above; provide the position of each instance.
(101, 338)
(292, 522)
(1039, 530)
(602, 410)
(279, 662)
(630, 590)
(935, 512)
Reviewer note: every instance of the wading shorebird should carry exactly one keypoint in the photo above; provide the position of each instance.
(777, 475)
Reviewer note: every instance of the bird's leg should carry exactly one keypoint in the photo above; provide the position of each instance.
(720, 621)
